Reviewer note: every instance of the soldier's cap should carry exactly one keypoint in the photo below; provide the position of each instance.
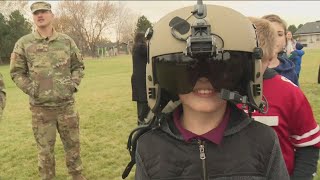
(40, 6)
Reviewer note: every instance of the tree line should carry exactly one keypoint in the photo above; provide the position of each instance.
(292, 28)
(11, 29)
(88, 23)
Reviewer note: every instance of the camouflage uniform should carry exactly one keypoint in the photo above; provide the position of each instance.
(2, 96)
(49, 70)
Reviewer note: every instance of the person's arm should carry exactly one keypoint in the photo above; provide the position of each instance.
(293, 55)
(306, 161)
(2, 96)
(77, 65)
(319, 75)
(305, 137)
(144, 53)
(277, 168)
(19, 71)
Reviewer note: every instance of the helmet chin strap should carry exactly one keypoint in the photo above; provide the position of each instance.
(235, 97)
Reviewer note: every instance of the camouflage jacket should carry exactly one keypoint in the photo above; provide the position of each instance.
(49, 70)
(2, 95)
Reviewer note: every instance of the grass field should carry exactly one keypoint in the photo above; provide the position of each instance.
(107, 115)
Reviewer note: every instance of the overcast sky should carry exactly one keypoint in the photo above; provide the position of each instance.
(293, 12)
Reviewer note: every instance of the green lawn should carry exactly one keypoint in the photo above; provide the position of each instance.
(308, 83)
(308, 80)
(107, 115)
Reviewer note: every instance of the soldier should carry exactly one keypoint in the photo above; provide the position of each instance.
(2, 96)
(48, 66)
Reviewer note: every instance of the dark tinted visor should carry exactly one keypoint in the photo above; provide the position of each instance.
(178, 73)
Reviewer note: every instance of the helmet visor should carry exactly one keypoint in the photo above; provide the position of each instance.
(178, 73)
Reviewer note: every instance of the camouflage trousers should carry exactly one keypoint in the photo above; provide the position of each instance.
(45, 122)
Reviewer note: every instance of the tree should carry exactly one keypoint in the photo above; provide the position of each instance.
(10, 31)
(86, 22)
(4, 30)
(292, 28)
(125, 24)
(7, 7)
(300, 25)
(143, 24)
(20, 25)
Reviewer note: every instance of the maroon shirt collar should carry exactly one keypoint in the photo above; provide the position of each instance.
(215, 135)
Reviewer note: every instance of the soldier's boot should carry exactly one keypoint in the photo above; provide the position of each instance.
(47, 172)
(78, 177)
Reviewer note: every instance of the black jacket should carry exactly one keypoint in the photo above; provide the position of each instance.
(138, 78)
(319, 75)
(249, 150)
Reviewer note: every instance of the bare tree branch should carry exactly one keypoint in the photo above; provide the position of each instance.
(86, 20)
(6, 7)
(125, 25)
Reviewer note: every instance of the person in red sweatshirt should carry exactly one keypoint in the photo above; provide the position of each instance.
(289, 114)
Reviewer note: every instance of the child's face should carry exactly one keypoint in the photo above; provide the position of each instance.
(280, 37)
(203, 98)
(289, 35)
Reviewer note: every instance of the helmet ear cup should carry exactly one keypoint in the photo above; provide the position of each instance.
(153, 93)
(255, 86)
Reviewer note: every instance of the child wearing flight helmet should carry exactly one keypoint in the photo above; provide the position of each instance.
(289, 114)
(209, 68)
